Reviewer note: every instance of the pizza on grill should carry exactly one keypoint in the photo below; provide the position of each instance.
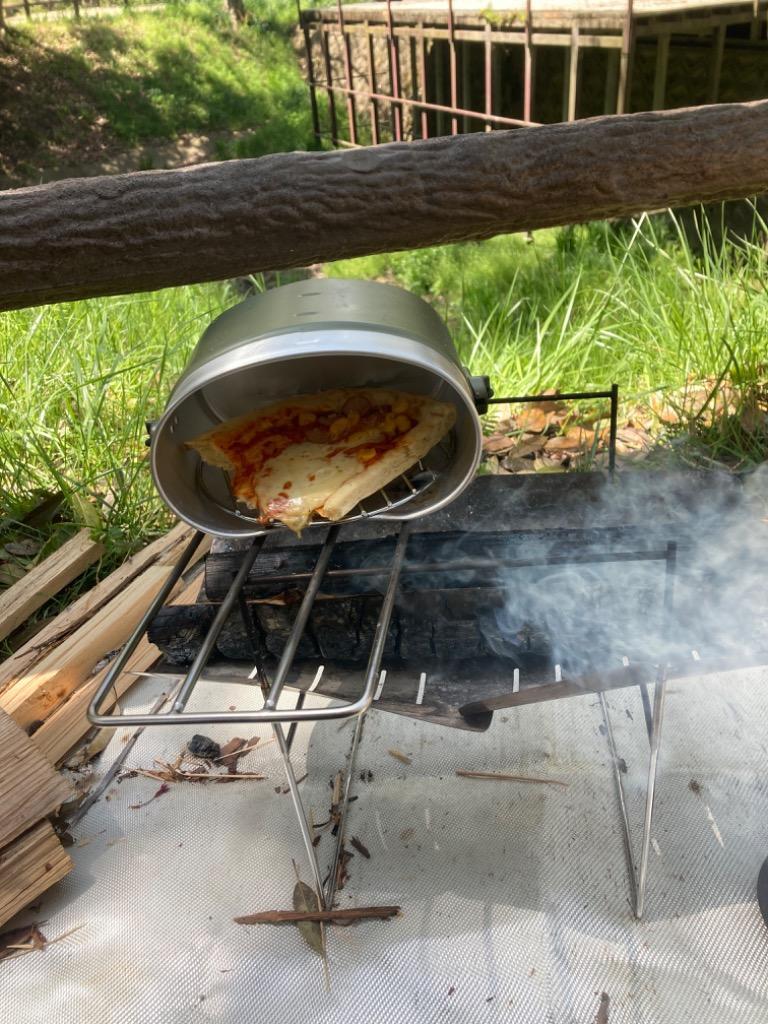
(322, 454)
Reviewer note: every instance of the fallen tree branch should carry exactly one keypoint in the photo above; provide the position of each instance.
(292, 916)
(152, 229)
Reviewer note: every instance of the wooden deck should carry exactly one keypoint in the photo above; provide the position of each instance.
(404, 69)
(597, 15)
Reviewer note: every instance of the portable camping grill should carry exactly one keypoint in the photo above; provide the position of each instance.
(496, 687)
(375, 550)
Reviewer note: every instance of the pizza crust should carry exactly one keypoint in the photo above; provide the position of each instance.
(413, 446)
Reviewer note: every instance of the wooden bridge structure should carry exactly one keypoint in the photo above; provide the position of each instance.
(391, 70)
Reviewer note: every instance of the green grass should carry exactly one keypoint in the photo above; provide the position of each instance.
(77, 92)
(78, 382)
(583, 307)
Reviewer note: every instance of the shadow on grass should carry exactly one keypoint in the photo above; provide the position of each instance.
(73, 93)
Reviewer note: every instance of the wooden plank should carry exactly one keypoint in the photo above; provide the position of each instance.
(660, 78)
(47, 579)
(372, 87)
(488, 76)
(164, 551)
(67, 726)
(528, 65)
(37, 693)
(573, 76)
(716, 67)
(611, 82)
(28, 866)
(60, 241)
(29, 786)
(622, 98)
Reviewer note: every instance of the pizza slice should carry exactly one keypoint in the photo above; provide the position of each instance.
(323, 453)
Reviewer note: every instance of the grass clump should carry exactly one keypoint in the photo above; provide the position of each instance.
(78, 382)
(645, 304)
(80, 92)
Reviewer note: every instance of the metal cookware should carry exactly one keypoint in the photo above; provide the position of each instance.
(308, 337)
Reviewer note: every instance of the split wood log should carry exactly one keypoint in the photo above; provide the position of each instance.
(69, 723)
(152, 229)
(44, 580)
(38, 693)
(29, 866)
(29, 786)
(345, 914)
(164, 551)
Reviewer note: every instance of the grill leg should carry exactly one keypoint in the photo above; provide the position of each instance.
(622, 802)
(638, 879)
(659, 700)
(330, 891)
(298, 806)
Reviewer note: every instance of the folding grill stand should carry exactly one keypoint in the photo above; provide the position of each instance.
(373, 680)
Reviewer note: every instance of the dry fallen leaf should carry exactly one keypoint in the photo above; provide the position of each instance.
(23, 548)
(305, 900)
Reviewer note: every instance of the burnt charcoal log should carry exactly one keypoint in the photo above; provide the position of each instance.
(428, 627)
(469, 560)
(179, 631)
(275, 622)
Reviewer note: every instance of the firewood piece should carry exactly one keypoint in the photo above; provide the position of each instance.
(46, 579)
(126, 233)
(39, 693)
(28, 866)
(164, 551)
(500, 777)
(30, 788)
(67, 725)
(345, 914)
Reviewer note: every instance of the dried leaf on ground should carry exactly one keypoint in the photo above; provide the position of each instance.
(26, 548)
(498, 444)
(305, 901)
(231, 753)
(573, 440)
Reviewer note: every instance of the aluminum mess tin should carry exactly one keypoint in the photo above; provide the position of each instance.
(303, 338)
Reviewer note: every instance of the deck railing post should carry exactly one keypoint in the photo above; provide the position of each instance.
(394, 76)
(625, 63)
(372, 84)
(310, 70)
(452, 68)
(528, 69)
(351, 114)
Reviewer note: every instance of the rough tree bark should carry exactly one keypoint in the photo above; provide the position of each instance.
(152, 229)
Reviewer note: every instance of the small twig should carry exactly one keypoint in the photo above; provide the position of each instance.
(344, 914)
(360, 847)
(508, 778)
